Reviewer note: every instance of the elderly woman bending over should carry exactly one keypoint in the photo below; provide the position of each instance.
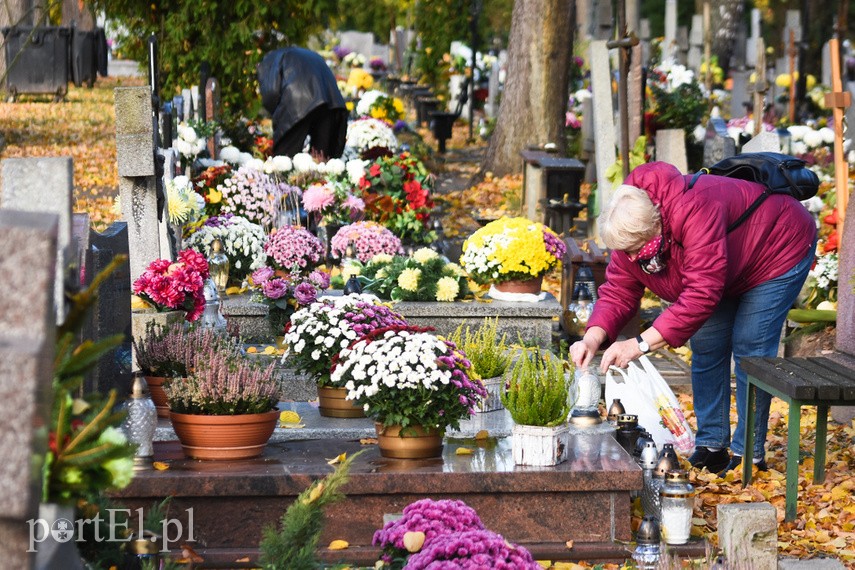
(729, 291)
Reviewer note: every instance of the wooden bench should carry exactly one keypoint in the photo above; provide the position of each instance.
(816, 381)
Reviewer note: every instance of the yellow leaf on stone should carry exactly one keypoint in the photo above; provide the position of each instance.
(289, 417)
(315, 493)
(160, 465)
(463, 451)
(234, 290)
(268, 350)
(252, 350)
(483, 434)
(138, 303)
(339, 545)
(337, 459)
(414, 540)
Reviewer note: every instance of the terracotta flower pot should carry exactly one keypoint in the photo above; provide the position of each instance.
(412, 442)
(332, 404)
(224, 437)
(531, 286)
(158, 394)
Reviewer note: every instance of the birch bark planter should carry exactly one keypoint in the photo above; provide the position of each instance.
(540, 446)
(332, 404)
(224, 437)
(493, 401)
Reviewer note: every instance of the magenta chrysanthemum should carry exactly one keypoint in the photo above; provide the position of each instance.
(294, 249)
(367, 240)
(177, 285)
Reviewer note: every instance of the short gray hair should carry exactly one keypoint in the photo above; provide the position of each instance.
(629, 220)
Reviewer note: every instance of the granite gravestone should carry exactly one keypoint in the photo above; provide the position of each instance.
(112, 311)
(137, 184)
(27, 346)
(43, 185)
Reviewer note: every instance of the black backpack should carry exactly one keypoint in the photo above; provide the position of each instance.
(779, 173)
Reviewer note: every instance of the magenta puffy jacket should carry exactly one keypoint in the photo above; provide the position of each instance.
(704, 262)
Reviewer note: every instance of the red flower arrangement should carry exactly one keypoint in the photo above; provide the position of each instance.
(175, 285)
(206, 185)
(396, 190)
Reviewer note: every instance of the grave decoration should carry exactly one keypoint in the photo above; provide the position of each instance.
(512, 254)
(423, 276)
(425, 388)
(175, 286)
(225, 408)
(318, 333)
(396, 190)
(378, 105)
(191, 142)
(250, 193)
(160, 356)
(537, 397)
(490, 359)
(206, 185)
(446, 533)
(286, 292)
(242, 242)
(369, 136)
(364, 241)
(677, 101)
(185, 206)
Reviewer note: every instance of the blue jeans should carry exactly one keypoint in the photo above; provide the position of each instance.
(748, 325)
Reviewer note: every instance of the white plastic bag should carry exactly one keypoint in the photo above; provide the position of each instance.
(644, 393)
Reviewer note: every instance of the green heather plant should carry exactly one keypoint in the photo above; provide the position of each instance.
(538, 390)
(485, 350)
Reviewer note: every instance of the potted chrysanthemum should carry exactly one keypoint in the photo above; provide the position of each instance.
(175, 285)
(285, 293)
(242, 242)
(317, 333)
(423, 276)
(412, 383)
(512, 255)
(364, 240)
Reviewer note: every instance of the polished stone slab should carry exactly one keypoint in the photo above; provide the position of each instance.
(585, 499)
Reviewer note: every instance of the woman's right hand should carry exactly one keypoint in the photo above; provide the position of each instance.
(582, 352)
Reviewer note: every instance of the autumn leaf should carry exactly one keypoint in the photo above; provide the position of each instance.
(463, 451)
(338, 545)
(337, 459)
(482, 434)
(414, 540)
(160, 465)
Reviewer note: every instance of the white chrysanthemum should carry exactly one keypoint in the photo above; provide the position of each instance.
(282, 163)
(827, 135)
(813, 139)
(335, 166)
(230, 154)
(303, 162)
(244, 158)
(424, 254)
(255, 164)
(355, 170)
(363, 107)
(797, 132)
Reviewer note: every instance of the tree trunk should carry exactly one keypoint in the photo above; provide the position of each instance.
(75, 12)
(15, 13)
(725, 16)
(535, 97)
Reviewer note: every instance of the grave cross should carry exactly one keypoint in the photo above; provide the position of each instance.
(707, 47)
(760, 86)
(625, 45)
(792, 52)
(838, 100)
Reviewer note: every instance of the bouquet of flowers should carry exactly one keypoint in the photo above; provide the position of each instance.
(284, 295)
(430, 518)
(369, 133)
(366, 239)
(250, 193)
(293, 249)
(318, 332)
(189, 144)
(379, 105)
(424, 381)
(377, 64)
(177, 285)
(676, 101)
(184, 205)
(511, 249)
(243, 243)
(425, 276)
(821, 283)
(206, 185)
(397, 194)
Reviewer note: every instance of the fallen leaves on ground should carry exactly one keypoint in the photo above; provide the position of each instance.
(490, 199)
(83, 127)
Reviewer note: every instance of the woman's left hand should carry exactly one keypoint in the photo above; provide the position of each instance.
(620, 354)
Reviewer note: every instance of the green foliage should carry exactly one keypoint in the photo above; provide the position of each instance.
(87, 452)
(232, 36)
(614, 173)
(538, 390)
(682, 108)
(485, 350)
(293, 546)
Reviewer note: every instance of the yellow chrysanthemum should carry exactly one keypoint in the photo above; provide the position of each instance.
(458, 271)
(178, 207)
(215, 196)
(378, 113)
(408, 280)
(399, 105)
(447, 289)
(510, 245)
(381, 258)
(381, 274)
(349, 270)
(424, 255)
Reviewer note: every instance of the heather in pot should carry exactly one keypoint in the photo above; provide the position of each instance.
(224, 384)
(537, 392)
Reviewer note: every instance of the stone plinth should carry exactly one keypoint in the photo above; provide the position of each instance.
(531, 321)
(586, 499)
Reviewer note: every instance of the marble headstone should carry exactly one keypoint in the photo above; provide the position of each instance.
(603, 117)
(718, 145)
(766, 141)
(671, 148)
